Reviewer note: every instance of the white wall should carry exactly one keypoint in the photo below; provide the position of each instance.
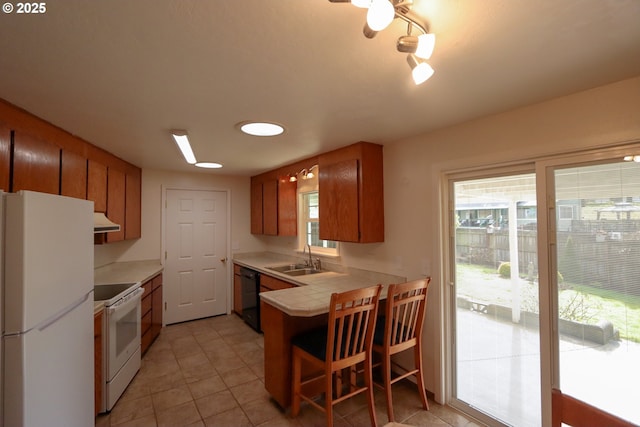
(153, 182)
(413, 167)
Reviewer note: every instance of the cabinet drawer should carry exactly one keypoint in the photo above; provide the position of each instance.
(145, 341)
(146, 323)
(156, 281)
(146, 301)
(273, 284)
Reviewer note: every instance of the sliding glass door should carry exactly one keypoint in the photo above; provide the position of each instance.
(544, 275)
(597, 297)
(496, 356)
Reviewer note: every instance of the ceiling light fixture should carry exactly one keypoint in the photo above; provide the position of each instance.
(208, 165)
(420, 70)
(310, 173)
(182, 140)
(635, 158)
(380, 15)
(261, 128)
(303, 174)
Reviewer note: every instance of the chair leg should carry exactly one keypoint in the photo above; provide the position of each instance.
(328, 398)
(419, 378)
(368, 380)
(296, 389)
(386, 380)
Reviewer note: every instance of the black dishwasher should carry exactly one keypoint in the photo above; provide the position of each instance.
(250, 297)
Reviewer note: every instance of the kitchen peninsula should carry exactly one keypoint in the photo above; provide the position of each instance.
(288, 312)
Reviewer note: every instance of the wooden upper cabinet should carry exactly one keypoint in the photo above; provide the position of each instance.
(116, 202)
(97, 185)
(73, 177)
(338, 199)
(287, 207)
(36, 164)
(5, 157)
(350, 186)
(270, 207)
(132, 222)
(256, 206)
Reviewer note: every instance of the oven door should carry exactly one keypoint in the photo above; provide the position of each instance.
(123, 331)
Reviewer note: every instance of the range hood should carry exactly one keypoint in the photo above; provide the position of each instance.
(102, 224)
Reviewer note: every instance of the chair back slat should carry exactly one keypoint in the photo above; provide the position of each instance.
(351, 323)
(406, 304)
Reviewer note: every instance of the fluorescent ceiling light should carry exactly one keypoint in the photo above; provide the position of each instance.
(209, 165)
(182, 140)
(261, 128)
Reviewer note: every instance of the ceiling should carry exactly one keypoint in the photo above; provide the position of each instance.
(122, 73)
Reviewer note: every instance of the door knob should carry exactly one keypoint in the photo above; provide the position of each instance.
(224, 260)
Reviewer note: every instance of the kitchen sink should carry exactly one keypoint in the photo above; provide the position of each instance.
(294, 269)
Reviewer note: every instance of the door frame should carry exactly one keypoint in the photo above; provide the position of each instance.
(163, 243)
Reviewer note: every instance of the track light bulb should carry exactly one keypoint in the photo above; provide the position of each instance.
(421, 46)
(380, 14)
(364, 4)
(420, 70)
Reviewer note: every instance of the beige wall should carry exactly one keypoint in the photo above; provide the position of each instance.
(153, 182)
(413, 167)
(412, 170)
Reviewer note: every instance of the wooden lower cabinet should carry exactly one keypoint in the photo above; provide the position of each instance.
(151, 311)
(237, 290)
(278, 329)
(97, 357)
(270, 283)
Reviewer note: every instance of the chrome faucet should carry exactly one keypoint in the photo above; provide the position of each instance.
(308, 263)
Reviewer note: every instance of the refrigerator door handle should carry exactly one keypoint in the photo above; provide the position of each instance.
(59, 315)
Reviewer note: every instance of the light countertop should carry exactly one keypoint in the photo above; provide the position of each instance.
(124, 272)
(313, 292)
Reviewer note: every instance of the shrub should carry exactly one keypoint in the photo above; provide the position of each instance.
(504, 269)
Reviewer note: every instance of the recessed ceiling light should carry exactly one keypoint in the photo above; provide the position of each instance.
(182, 140)
(261, 128)
(209, 165)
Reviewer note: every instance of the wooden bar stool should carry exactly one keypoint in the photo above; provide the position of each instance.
(343, 343)
(400, 329)
(573, 412)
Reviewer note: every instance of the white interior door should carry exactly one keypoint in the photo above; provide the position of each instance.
(196, 244)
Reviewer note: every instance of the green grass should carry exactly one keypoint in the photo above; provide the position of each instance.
(482, 283)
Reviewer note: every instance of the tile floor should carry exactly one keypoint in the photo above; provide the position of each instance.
(210, 373)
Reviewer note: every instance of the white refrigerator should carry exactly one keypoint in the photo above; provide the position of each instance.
(47, 311)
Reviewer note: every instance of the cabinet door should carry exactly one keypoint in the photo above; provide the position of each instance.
(237, 290)
(36, 164)
(132, 222)
(270, 207)
(115, 202)
(97, 185)
(256, 207)
(73, 178)
(156, 312)
(5, 157)
(97, 359)
(287, 208)
(338, 198)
